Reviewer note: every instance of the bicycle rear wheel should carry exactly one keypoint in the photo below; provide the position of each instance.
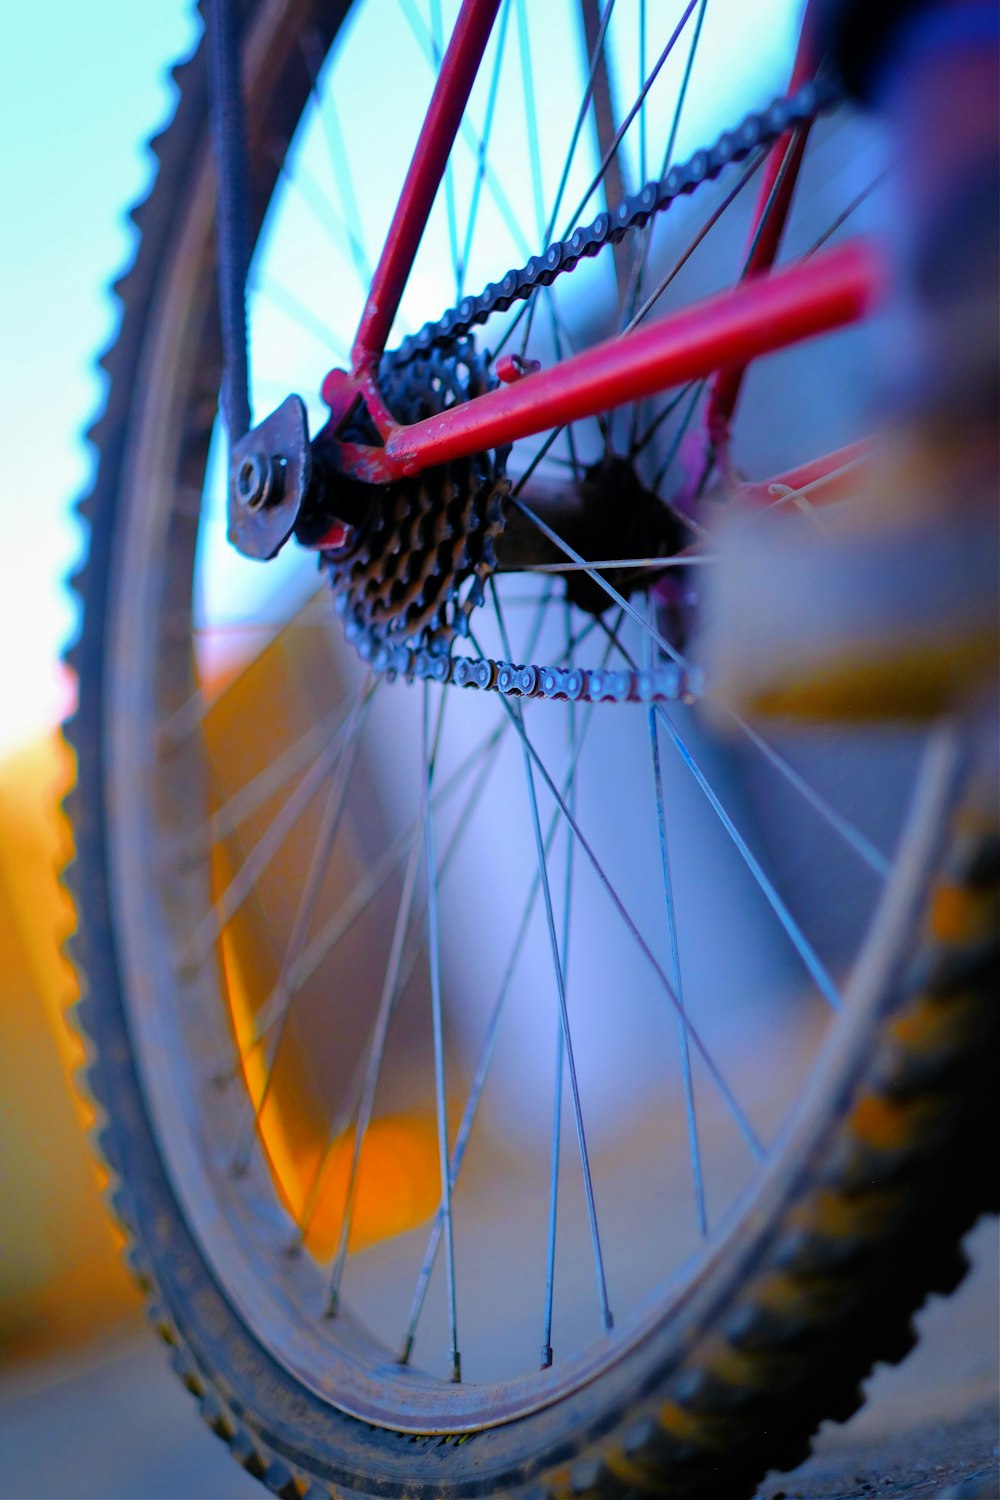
(714, 1244)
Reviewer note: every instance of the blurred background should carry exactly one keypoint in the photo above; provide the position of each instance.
(89, 1407)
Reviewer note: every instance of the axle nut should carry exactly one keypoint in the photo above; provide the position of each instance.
(257, 481)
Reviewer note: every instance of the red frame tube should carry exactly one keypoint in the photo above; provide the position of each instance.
(437, 136)
(721, 334)
(785, 158)
(732, 328)
(833, 476)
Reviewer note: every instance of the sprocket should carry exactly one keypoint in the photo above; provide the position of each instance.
(427, 544)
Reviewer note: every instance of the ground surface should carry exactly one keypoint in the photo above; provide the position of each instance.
(118, 1426)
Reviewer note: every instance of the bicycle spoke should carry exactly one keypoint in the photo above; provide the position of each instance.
(434, 956)
(362, 897)
(646, 233)
(531, 116)
(679, 436)
(592, 572)
(323, 212)
(555, 1150)
(604, 120)
(407, 965)
(486, 1051)
(534, 162)
(337, 152)
(336, 927)
(694, 1147)
(472, 1103)
(594, 62)
(852, 836)
(657, 422)
(469, 134)
(275, 292)
(485, 141)
(739, 1117)
(332, 932)
(387, 1002)
(228, 816)
(797, 937)
(312, 613)
(612, 149)
(609, 154)
(437, 37)
(560, 348)
(801, 497)
(675, 123)
(286, 988)
(380, 1033)
(536, 460)
(756, 162)
(193, 711)
(843, 217)
(527, 308)
(682, 560)
(641, 73)
(581, 1137)
(789, 166)
(232, 898)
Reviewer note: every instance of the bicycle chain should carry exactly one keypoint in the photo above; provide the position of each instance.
(429, 658)
(761, 129)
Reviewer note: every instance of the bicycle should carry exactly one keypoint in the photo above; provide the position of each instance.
(228, 924)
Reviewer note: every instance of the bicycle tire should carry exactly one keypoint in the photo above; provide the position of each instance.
(782, 1326)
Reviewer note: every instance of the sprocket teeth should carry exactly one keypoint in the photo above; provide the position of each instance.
(427, 534)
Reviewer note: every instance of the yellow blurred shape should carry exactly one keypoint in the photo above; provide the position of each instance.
(398, 1177)
(36, 842)
(398, 1185)
(398, 1174)
(61, 1281)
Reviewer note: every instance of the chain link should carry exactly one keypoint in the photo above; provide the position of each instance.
(760, 130)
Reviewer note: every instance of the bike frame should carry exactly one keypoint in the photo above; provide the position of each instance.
(718, 336)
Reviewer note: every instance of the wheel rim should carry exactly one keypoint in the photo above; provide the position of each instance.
(152, 686)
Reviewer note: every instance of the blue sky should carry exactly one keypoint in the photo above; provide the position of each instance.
(84, 86)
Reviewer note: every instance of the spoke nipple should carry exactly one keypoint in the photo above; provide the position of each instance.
(456, 1367)
(240, 1166)
(188, 966)
(403, 1357)
(546, 1363)
(330, 1310)
(167, 742)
